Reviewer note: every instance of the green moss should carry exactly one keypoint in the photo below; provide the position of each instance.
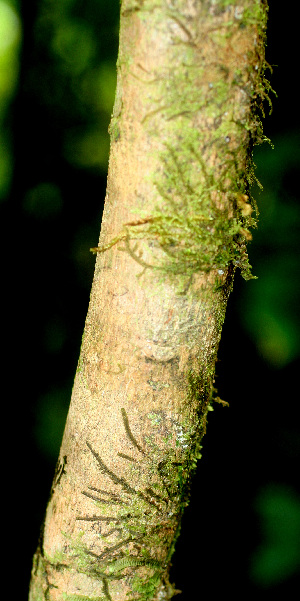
(146, 587)
(192, 226)
(148, 520)
(38, 584)
(131, 561)
(114, 129)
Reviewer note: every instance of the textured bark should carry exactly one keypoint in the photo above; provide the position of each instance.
(190, 74)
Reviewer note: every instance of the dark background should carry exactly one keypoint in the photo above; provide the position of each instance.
(241, 533)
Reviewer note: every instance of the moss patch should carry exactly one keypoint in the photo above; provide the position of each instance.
(139, 519)
(205, 210)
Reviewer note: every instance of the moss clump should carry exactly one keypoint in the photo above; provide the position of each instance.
(205, 211)
(147, 586)
(193, 228)
(146, 525)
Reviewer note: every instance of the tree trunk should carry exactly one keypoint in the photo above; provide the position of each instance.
(175, 226)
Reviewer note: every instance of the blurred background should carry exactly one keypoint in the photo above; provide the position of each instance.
(241, 533)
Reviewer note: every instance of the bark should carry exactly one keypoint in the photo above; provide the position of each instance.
(175, 226)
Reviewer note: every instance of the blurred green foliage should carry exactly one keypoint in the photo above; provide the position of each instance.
(10, 38)
(278, 556)
(269, 309)
(43, 201)
(80, 78)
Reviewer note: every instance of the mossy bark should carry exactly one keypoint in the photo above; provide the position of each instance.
(175, 226)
